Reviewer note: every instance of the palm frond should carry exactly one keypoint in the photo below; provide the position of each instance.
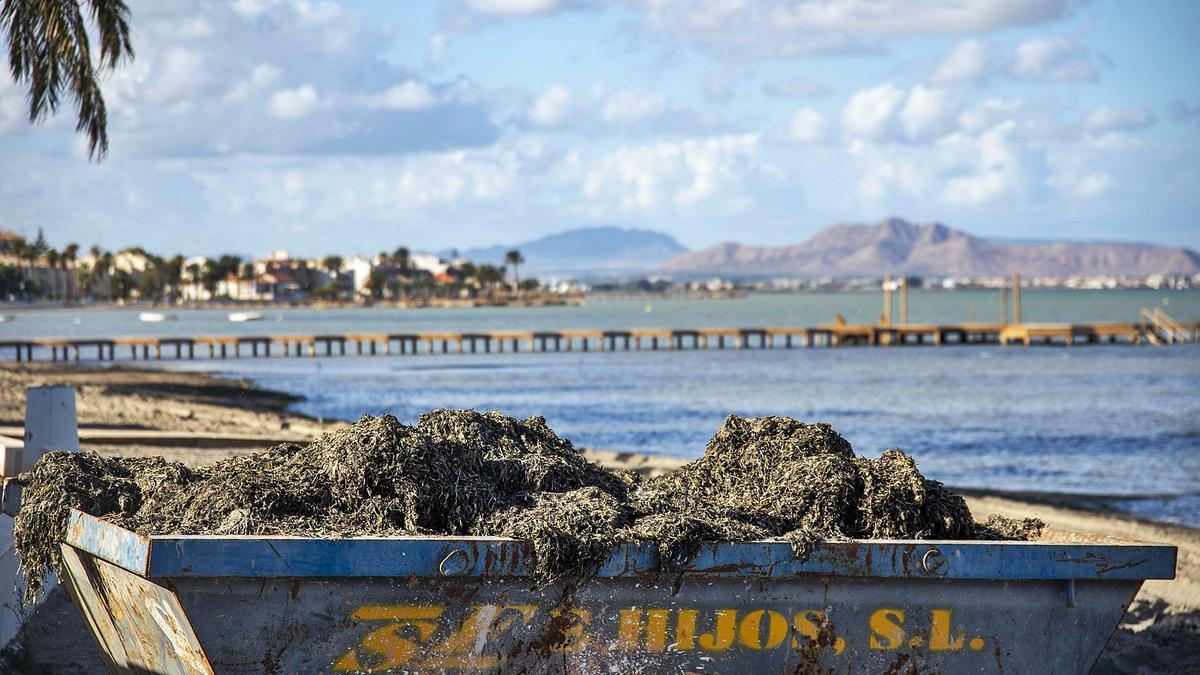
(49, 49)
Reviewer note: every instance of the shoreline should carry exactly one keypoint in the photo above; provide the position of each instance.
(436, 303)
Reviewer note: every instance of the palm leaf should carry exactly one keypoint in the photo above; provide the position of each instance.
(49, 50)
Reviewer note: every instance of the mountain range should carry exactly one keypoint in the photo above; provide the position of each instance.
(895, 246)
(587, 252)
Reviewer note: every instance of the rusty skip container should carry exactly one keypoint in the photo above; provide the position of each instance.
(199, 604)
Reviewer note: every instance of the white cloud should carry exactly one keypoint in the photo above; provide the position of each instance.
(1041, 121)
(290, 104)
(411, 95)
(551, 107)
(602, 109)
(1087, 186)
(316, 11)
(376, 189)
(626, 106)
(449, 178)
(888, 175)
(889, 114)
(869, 112)
(674, 175)
(925, 112)
(513, 7)
(797, 87)
(707, 175)
(723, 84)
(1058, 59)
(989, 167)
(988, 114)
(964, 169)
(1105, 119)
(181, 73)
(219, 85)
(438, 43)
(194, 28)
(251, 8)
(808, 126)
(970, 62)
(774, 28)
(262, 77)
(12, 105)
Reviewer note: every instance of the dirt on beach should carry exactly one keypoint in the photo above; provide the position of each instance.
(125, 397)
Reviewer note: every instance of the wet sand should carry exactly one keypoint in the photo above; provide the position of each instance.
(1161, 633)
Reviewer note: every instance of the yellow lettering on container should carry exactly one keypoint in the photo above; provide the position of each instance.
(629, 635)
(887, 628)
(750, 629)
(807, 626)
(573, 636)
(685, 629)
(656, 629)
(385, 646)
(722, 635)
(810, 623)
(940, 628)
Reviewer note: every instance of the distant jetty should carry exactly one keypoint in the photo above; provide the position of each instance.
(1155, 328)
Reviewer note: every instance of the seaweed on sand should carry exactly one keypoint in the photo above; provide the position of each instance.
(998, 527)
(456, 472)
(460, 472)
(795, 481)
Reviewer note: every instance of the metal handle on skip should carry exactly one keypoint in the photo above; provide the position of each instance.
(456, 563)
(933, 562)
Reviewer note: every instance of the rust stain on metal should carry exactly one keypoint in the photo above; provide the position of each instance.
(906, 664)
(1101, 563)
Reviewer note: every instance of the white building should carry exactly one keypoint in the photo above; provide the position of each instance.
(359, 269)
(428, 263)
(130, 262)
(192, 287)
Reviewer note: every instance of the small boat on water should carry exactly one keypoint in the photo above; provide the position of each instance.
(5, 318)
(239, 317)
(155, 317)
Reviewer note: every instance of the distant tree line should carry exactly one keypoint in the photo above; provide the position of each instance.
(45, 272)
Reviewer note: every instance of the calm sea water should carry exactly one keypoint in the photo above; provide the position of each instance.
(1111, 420)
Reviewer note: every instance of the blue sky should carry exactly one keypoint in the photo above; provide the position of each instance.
(317, 126)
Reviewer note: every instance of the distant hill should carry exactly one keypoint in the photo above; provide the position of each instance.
(932, 249)
(587, 252)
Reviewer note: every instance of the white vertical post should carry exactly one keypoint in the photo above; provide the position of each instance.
(50, 424)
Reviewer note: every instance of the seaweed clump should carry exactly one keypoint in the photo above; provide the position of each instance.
(460, 472)
(998, 528)
(776, 477)
(456, 472)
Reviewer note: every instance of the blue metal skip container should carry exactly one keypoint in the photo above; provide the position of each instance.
(201, 604)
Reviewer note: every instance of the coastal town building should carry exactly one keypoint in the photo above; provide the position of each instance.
(9, 241)
(34, 270)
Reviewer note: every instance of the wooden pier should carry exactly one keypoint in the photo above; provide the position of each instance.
(1154, 329)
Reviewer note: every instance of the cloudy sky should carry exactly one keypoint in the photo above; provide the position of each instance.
(316, 126)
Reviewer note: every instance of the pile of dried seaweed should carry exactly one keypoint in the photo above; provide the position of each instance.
(776, 477)
(459, 472)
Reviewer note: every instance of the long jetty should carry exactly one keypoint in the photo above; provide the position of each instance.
(1154, 329)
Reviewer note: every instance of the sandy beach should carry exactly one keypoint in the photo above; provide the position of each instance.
(184, 416)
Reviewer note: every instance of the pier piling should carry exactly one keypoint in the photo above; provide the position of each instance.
(1156, 327)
